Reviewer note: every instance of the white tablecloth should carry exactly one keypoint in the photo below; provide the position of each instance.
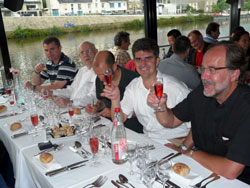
(29, 173)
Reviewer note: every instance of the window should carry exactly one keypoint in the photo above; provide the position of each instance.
(111, 5)
(102, 5)
(89, 5)
(72, 5)
(96, 5)
(79, 6)
(119, 5)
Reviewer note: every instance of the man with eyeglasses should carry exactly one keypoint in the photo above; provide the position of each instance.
(219, 113)
(146, 57)
(82, 90)
(59, 68)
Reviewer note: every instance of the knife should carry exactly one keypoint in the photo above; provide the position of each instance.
(8, 115)
(66, 168)
(167, 156)
(175, 155)
(19, 134)
(116, 184)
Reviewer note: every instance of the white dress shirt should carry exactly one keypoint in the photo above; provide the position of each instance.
(82, 89)
(135, 100)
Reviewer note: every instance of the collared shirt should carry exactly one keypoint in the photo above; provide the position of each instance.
(82, 88)
(178, 68)
(135, 100)
(121, 56)
(219, 129)
(66, 69)
(209, 39)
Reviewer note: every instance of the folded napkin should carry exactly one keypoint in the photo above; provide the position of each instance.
(53, 165)
(3, 99)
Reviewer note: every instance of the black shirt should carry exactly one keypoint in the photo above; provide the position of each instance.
(220, 129)
(126, 77)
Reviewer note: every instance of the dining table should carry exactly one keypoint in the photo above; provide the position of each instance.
(29, 172)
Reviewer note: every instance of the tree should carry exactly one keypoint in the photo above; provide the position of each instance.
(220, 7)
(190, 9)
(247, 5)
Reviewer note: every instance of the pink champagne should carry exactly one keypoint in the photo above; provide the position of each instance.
(94, 143)
(12, 102)
(71, 112)
(34, 119)
(108, 79)
(8, 91)
(158, 90)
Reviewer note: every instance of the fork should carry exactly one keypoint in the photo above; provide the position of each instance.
(98, 182)
(215, 178)
(198, 185)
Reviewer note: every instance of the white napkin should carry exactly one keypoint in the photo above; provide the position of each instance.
(53, 165)
(3, 99)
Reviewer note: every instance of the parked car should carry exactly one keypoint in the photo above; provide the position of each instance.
(107, 12)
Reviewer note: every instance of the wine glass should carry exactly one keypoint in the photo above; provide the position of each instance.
(9, 85)
(158, 86)
(105, 136)
(45, 93)
(71, 112)
(12, 102)
(148, 177)
(94, 145)
(34, 119)
(108, 76)
(131, 154)
(163, 168)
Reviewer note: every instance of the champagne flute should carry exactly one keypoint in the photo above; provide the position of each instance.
(108, 76)
(158, 86)
(45, 93)
(12, 102)
(71, 112)
(163, 168)
(34, 119)
(148, 177)
(9, 85)
(131, 151)
(94, 145)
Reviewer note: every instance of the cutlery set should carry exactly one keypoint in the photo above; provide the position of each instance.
(121, 183)
(214, 177)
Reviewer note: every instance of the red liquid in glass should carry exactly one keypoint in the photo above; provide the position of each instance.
(71, 112)
(12, 102)
(94, 143)
(158, 90)
(108, 79)
(34, 119)
(45, 97)
(8, 91)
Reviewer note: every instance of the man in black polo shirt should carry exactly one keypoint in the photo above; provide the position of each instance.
(219, 113)
(59, 69)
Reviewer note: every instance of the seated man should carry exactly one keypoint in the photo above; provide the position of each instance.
(59, 69)
(172, 35)
(121, 77)
(146, 57)
(84, 82)
(219, 113)
(120, 49)
(212, 33)
(176, 65)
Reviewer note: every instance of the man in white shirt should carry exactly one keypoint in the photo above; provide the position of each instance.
(146, 57)
(82, 90)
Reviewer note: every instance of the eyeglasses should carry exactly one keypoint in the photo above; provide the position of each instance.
(211, 70)
(85, 52)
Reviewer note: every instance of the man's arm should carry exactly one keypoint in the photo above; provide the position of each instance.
(56, 85)
(37, 80)
(165, 118)
(220, 165)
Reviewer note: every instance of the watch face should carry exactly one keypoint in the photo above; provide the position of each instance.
(183, 147)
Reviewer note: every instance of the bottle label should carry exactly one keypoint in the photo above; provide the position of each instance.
(120, 149)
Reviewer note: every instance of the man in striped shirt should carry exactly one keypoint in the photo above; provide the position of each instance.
(59, 69)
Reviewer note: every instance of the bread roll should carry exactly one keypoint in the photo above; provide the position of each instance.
(46, 157)
(3, 108)
(181, 169)
(77, 111)
(15, 126)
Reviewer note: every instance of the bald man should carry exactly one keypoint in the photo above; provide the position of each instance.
(82, 90)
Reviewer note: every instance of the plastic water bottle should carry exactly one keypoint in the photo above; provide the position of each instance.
(118, 139)
(18, 89)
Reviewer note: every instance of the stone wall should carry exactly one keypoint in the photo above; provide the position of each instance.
(42, 22)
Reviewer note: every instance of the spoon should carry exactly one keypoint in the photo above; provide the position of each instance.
(77, 144)
(123, 179)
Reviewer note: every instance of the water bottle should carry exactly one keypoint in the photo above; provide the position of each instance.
(18, 89)
(118, 139)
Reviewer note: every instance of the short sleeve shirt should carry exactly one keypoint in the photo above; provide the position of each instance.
(219, 129)
(121, 56)
(66, 69)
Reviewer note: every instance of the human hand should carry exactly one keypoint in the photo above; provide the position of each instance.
(111, 92)
(91, 109)
(153, 100)
(61, 102)
(106, 112)
(39, 67)
(28, 84)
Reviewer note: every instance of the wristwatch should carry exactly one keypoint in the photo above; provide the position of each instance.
(183, 148)
(192, 151)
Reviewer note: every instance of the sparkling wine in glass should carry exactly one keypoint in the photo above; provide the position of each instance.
(108, 76)
(158, 86)
(12, 102)
(71, 112)
(94, 145)
(8, 91)
(45, 93)
(34, 121)
(9, 85)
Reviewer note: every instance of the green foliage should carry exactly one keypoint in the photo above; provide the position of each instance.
(133, 24)
(247, 5)
(221, 6)
(215, 8)
(190, 9)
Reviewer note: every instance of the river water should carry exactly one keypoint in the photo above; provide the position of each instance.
(25, 54)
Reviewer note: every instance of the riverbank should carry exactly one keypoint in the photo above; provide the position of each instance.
(29, 27)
